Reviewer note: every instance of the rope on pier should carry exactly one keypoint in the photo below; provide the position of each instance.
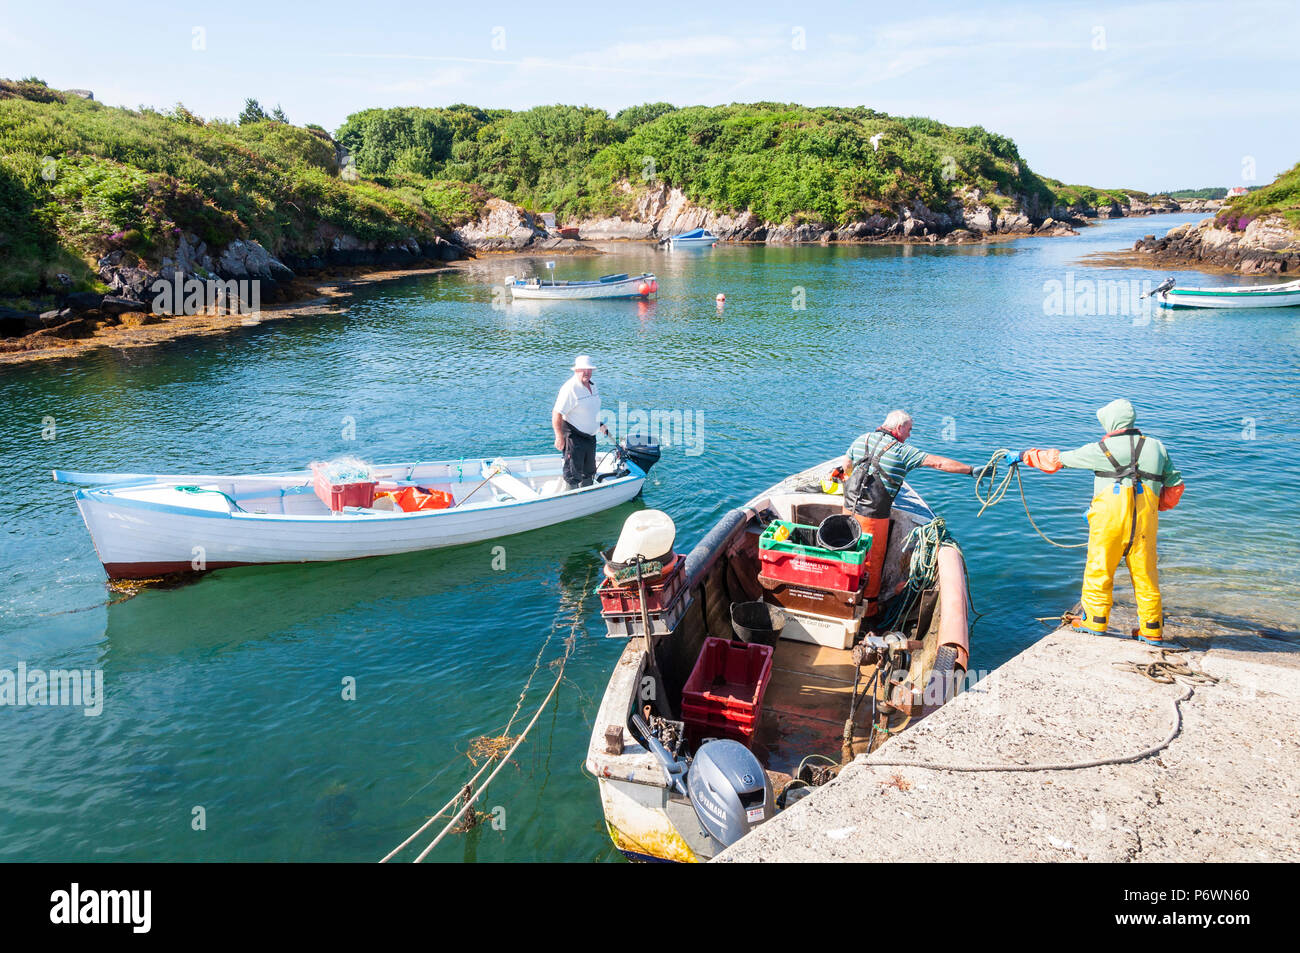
(1163, 670)
(466, 800)
(1067, 766)
(989, 491)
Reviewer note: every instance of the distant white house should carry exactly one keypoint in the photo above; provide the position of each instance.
(1237, 190)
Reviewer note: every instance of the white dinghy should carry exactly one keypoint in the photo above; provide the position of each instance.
(1286, 295)
(149, 525)
(609, 287)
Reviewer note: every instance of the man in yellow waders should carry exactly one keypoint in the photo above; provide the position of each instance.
(1134, 481)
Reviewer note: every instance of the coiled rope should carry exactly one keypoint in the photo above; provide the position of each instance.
(989, 491)
(925, 542)
(501, 761)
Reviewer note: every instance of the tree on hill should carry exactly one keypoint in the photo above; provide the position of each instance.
(253, 112)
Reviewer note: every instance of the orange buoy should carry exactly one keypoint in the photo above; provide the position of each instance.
(643, 289)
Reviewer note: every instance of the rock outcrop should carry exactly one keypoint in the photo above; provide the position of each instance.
(502, 226)
(1267, 245)
(660, 211)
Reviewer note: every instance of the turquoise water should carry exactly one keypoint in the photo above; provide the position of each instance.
(226, 694)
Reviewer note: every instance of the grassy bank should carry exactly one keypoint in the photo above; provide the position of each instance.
(79, 179)
(1279, 197)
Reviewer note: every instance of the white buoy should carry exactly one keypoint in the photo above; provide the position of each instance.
(721, 299)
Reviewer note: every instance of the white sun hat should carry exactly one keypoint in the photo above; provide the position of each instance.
(583, 363)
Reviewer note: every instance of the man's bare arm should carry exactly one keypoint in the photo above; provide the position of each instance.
(936, 462)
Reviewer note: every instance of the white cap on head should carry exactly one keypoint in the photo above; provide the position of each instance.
(583, 363)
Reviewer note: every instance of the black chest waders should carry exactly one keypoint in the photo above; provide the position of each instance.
(869, 492)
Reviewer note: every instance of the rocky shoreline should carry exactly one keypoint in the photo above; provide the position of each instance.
(147, 303)
(660, 211)
(1267, 245)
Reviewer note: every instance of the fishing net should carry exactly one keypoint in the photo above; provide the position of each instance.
(343, 470)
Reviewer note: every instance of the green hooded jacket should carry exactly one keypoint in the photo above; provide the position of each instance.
(1119, 415)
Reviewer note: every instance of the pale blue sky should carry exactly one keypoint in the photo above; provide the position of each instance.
(1144, 95)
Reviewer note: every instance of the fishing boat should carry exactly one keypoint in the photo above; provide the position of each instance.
(698, 237)
(611, 286)
(150, 525)
(835, 687)
(1286, 295)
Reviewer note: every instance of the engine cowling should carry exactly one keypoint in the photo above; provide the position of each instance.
(729, 790)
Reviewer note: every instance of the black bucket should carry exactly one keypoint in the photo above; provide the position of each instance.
(839, 532)
(757, 622)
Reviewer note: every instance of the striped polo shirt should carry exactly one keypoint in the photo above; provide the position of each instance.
(896, 462)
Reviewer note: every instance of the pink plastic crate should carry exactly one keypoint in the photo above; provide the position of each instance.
(338, 495)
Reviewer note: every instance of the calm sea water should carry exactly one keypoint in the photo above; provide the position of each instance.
(226, 694)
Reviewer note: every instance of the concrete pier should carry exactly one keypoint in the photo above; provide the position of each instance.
(1227, 788)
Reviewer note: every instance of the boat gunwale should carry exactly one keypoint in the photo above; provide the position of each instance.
(107, 496)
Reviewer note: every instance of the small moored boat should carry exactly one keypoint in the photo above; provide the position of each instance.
(700, 236)
(149, 525)
(700, 738)
(611, 286)
(1286, 295)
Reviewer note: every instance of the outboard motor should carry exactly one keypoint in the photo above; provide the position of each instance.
(729, 790)
(724, 782)
(641, 450)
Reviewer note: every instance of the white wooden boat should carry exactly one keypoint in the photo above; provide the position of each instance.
(611, 286)
(808, 708)
(149, 525)
(1286, 295)
(700, 237)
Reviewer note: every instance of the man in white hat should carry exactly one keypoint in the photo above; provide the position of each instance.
(574, 420)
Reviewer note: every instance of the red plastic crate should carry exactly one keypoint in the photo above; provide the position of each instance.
(338, 495)
(658, 596)
(810, 571)
(724, 695)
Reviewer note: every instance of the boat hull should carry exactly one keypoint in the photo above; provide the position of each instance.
(1269, 296)
(584, 291)
(139, 533)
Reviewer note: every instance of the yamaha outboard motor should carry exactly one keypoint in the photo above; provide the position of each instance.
(641, 450)
(729, 790)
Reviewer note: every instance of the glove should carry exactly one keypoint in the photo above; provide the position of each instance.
(979, 473)
(1014, 456)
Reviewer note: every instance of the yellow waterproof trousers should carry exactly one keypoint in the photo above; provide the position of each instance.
(1110, 524)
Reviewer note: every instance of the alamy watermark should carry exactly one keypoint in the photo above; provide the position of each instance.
(25, 687)
(1087, 297)
(668, 427)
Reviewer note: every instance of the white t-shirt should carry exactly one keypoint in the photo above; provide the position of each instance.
(578, 406)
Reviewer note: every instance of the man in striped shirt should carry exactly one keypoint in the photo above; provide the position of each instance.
(890, 458)
(882, 459)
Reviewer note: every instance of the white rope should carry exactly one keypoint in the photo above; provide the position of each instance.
(564, 659)
(426, 825)
(504, 761)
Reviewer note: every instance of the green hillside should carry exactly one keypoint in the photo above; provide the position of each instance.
(79, 179)
(1279, 197)
(785, 162)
